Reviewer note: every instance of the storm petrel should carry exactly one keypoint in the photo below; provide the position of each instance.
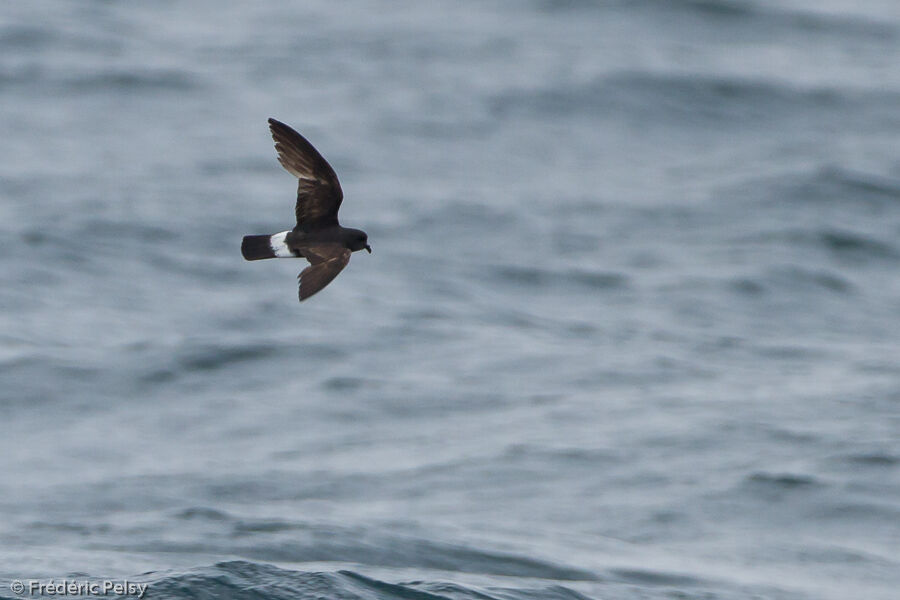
(317, 237)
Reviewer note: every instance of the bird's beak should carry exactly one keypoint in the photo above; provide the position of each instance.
(369, 249)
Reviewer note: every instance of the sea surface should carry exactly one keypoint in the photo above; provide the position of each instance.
(630, 330)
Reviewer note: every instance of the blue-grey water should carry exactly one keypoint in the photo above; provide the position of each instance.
(631, 328)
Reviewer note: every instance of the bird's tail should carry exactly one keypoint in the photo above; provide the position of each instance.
(258, 247)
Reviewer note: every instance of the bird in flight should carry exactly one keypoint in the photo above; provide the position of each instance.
(317, 237)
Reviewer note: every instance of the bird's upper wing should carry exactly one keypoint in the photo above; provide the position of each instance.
(319, 193)
(326, 261)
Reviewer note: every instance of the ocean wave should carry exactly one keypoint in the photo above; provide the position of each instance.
(250, 580)
(101, 81)
(687, 99)
(824, 185)
(769, 486)
(650, 577)
(217, 356)
(538, 277)
(791, 278)
(753, 16)
(855, 245)
(839, 243)
(784, 481)
(872, 184)
(872, 459)
(287, 541)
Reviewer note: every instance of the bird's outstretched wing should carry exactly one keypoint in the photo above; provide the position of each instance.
(319, 193)
(326, 261)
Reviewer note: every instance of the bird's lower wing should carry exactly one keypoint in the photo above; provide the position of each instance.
(326, 261)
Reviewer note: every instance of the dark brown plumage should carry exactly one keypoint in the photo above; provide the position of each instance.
(319, 193)
(318, 236)
(325, 262)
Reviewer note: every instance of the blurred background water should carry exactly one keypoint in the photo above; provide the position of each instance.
(630, 328)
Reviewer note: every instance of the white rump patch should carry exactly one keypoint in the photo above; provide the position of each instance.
(279, 247)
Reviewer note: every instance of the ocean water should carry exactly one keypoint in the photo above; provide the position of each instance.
(630, 329)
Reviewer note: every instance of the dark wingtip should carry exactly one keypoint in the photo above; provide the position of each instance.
(280, 129)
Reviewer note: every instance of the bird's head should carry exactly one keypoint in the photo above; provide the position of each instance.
(359, 241)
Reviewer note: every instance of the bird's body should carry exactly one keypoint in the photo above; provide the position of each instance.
(317, 237)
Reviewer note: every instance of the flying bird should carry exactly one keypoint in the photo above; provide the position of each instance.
(317, 237)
